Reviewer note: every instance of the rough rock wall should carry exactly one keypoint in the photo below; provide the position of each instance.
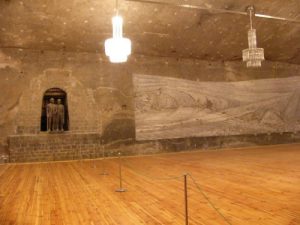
(167, 108)
(83, 110)
(108, 87)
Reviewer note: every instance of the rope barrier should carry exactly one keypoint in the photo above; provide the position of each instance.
(168, 178)
(208, 200)
(150, 177)
(177, 178)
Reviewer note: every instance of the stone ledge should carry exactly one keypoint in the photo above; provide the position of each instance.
(53, 146)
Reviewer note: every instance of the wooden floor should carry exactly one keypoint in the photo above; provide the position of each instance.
(257, 186)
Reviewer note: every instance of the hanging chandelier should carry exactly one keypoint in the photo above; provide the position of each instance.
(117, 48)
(253, 55)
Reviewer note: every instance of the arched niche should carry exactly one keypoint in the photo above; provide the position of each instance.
(55, 93)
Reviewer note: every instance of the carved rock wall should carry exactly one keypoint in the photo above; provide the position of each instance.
(83, 111)
(43, 147)
(175, 108)
(101, 94)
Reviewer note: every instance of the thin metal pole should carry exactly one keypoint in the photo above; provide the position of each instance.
(80, 155)
(117, 7)
(103, 166)
(120, 189)
(94, 163)
(120, 171)
(94, 160)
(186, 200)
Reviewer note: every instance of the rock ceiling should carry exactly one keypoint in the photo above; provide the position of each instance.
(155, 29)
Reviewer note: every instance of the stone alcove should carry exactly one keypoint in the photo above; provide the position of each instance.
(83, 113)
(55, 93)
(30, 143)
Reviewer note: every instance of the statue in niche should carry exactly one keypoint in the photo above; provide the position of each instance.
(55, 114)
(51, 114)
(60, 116)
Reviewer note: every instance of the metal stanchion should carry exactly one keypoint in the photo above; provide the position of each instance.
(103, 165)
(186, 200)
(120, 189)
(80, 155)
(94, 160)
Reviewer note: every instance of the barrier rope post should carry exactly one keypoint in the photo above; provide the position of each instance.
(94, 160)
(120, 189)
(80, 155)
(186, 200)
(104, 173)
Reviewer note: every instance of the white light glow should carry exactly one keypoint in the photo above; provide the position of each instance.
(117, 48)
(253, 55)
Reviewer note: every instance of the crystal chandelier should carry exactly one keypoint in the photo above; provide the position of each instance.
(253, 55)
(117, 48)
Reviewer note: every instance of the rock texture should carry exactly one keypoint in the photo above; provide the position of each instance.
(175, 108)
(156, 30)
(60, 44)
(101, 95)
(44, 147)
(82, 106)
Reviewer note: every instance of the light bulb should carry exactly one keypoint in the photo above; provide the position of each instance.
(117, 48)
(253, 55)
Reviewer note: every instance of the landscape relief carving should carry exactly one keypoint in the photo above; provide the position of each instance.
(172, 108)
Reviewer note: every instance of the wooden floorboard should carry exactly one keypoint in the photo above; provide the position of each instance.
(251, 186)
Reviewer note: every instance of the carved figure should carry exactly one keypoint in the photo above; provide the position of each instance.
(51, 112)
(60, 118)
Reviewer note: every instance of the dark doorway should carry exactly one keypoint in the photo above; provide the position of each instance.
(55, 93)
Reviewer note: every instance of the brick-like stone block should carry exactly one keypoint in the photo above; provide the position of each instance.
(52, 147)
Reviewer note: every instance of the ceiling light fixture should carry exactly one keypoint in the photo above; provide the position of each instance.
(253, 55)
(117, 48)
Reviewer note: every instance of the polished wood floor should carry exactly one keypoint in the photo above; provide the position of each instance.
(257, 186)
